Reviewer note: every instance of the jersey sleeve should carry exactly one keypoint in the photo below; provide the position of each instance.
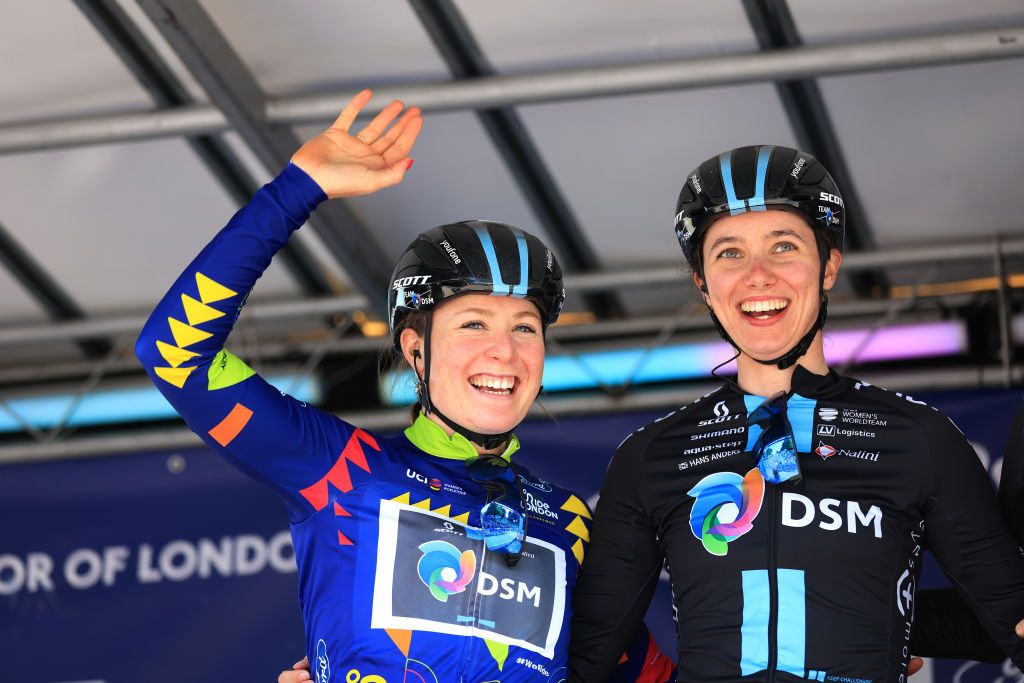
(619, 573)
(970, 538)
(643, 661)
(944, 626)
(1011, 481)
(289, 445)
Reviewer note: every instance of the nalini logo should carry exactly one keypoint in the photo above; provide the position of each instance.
(828, 414)
(725, 507)
(824, 450)
(323, 664)
(444, 570)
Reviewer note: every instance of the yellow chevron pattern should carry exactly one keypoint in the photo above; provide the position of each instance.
(461, 519)
(197, 312)
(577, 550)
(578, 527)
(423, 504)
(174, 355)
(175, 376)
(186, 335)
(211, 291)
(446, 511)
(577, 507)
(404, 498)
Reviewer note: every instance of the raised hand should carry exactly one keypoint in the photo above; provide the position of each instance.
(346, 165)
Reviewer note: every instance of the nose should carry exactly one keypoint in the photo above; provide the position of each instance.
(502, 346)
(759, 274)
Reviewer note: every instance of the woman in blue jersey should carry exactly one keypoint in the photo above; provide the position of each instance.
(418, 555)
(792, 505)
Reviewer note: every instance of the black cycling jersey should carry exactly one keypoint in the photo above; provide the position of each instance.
(805, 580)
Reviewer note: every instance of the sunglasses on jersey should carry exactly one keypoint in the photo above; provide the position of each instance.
(503, 525)
(776, 446)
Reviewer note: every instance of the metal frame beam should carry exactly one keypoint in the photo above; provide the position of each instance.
(139, 56)
(57, 303)
(959, 253)
(455, 42)
(650, 399)
(940, 49)
(808, 115)
(234, 90)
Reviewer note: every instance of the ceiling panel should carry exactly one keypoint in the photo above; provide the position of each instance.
(621, 161)
(316, 44)
(540, 36)
(56, 65)
(457, 175)
(823, 22)
(124, 221)
(16, 305)
(935, 153)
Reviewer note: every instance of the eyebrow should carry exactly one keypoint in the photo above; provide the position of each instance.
(488, 312)
(774, 234)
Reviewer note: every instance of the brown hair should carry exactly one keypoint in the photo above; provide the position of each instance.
(391, 359)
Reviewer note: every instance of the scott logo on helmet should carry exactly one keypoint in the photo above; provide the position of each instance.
(829, 197)
(411, 280)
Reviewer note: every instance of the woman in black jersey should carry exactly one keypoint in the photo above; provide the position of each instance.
(791, 506)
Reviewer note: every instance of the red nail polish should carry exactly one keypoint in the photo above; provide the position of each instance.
(408, 165)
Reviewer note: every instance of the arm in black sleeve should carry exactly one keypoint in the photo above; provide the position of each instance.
(944, 626)
(619, 573)
(1011, 481)
(970, 538)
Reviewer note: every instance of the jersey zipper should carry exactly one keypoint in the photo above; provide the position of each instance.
(471, 642)
(773, 587)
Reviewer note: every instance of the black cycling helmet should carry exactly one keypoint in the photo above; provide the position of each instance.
(760, 178)
(474, 256)
(756, 179)
(470, 256)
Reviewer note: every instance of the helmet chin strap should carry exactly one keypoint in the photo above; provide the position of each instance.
(488, 442)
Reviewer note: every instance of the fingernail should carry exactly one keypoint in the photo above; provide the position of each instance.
(299, 663)
(408, 165)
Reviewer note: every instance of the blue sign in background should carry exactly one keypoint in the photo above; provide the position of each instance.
(200, 586)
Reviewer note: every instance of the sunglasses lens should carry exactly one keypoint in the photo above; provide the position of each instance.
(777, 461)
(502, 527)
(776, 447)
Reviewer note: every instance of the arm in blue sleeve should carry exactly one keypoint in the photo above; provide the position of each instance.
(291, 446)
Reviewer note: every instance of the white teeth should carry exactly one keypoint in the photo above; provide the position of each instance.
(492, 382)
(764, 305)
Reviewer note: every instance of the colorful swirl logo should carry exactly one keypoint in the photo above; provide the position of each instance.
(444, 570)
(725, 507)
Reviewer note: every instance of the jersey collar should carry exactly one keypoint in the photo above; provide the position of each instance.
(428, 436)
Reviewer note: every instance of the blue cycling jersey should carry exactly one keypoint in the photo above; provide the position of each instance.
(395, 582)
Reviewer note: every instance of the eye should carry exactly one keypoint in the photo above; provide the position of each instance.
(784, 247)
(473, 325)
(526, 327)
(731, 252)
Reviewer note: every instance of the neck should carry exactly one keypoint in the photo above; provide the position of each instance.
(479, 449)
(768, 380)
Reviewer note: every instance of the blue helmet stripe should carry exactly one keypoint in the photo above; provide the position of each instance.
(524, 266)
(735, 205)
(763, 155)
(498, 285)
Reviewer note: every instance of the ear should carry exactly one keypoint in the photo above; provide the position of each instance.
(410, 341)
(835, 259)
(702, 286)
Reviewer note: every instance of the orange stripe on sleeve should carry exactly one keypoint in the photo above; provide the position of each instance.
(225, 432)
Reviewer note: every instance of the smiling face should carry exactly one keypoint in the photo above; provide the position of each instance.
(486, 360)
(761, 270)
